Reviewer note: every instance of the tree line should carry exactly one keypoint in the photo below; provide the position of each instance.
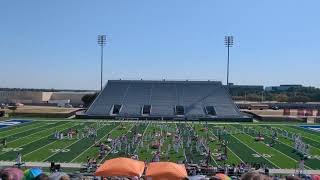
(298, 94)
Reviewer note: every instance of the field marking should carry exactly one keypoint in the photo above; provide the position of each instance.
(292, 131)
(135, 150)
(169, 140)
(94, 144)
(282, 152)
(35, 132)
(306, 130)
(301, 130)
(185, 157)
(46, 144)
(17, 127)
(209, 149)
(184, 154)
(287, 155)
(104, 158)
(40, 138)
(254, 150)
(23, 132)
(311, 140)
(44, 160)
(227, 147)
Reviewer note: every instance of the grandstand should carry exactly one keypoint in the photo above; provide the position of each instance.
(189, 100)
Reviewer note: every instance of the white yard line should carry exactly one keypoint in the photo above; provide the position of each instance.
(17, 129)
(94, 144)
(228, 148)
(46, 144)
(32, 133)
(103, 159)
(254, 150)
(135, 150)
(282, 152)
(292, 131)
(209, 148)
(68, 146)
(185, 157)
(40, 138)
(304, 130)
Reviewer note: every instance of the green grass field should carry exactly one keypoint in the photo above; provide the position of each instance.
(36, 143)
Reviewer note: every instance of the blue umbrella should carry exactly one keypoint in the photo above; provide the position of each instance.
(32, 173)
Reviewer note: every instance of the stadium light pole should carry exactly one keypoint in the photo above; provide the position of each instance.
(228, 42)
(102, 39)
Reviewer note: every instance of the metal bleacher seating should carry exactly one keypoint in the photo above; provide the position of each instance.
(163, 97)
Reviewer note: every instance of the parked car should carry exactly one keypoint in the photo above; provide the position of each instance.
(68, 106)
(274, 107)
(3, 106)
(19, 104)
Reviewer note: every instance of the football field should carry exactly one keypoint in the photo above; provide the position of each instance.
(180, 142)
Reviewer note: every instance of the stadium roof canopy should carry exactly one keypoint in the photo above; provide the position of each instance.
(164, 99)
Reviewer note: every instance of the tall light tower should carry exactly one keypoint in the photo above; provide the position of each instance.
(102, 39)
(228, 42)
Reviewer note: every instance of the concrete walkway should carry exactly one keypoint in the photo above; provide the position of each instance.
(41, 164)
(78, 166)
(292, 171)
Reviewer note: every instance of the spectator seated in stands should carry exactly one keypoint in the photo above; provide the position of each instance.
(254, 176)
(42, 176)
(59, 176)
(11, 174)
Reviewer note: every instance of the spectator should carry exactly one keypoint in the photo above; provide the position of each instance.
(76, 176)
(42, 176)
(59, 176)
(215, 178)
(6, 176)
(11, 174)
(254, 176)
(292, 178)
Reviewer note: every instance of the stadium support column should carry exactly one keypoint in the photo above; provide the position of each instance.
(228, 42)
(101, 42)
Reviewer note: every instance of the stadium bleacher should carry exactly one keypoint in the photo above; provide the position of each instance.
(165, 99)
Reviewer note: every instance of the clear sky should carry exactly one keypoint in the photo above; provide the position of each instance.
(52, 43)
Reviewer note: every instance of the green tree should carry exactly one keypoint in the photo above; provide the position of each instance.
(281, 97)
(299, 99)
(88, 99)
(254, 97)
(13, 108)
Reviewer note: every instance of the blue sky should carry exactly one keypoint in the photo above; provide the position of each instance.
(52, 44)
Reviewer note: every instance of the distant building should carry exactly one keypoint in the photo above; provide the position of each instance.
(246, 87)
(241, 90)
(41, 97)
(283, 87)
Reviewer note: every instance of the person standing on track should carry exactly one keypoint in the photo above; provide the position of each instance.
(4, 142)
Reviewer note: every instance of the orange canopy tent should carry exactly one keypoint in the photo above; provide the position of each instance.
(223, 176)
(121, 167)
(166, 171)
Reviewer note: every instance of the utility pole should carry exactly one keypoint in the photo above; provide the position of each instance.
(228, 42)
(102, 39)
